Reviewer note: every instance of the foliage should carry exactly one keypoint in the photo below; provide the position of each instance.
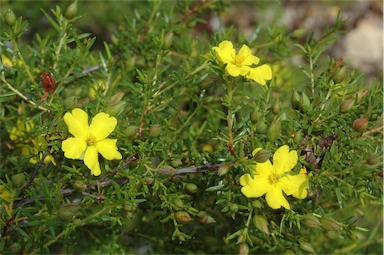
(186, 132)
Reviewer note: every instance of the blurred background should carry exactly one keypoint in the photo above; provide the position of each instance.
(361, 47)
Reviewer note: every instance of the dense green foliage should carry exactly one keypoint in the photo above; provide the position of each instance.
(186, 132)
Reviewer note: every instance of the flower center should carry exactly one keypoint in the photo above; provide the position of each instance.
(273, 178)
(239, 59)
(91, 140)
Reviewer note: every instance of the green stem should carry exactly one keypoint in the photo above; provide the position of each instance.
(230, 117)
(24, 97)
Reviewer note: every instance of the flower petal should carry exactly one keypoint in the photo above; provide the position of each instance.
(102, 126)
(265, 168)
(108, 149)
(234, 70)
(275, 198)
(255, 187)
(259, 74)
(73, 147)
(249, 58)
(91, 160)
(284, 160)
(77, 123)
(295, 185)
(225, 52)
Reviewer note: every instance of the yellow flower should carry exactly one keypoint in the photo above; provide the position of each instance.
(273, 179)
(242, 62)
(89, 140)
(5, 194)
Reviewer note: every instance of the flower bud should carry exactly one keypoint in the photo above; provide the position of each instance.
(10, 18)
(307, 247)
(19, 180)
(205, 218)
(295, 100)
(71, 10)
(298, 137)
(168, 39)
(115, 109)
(305, 104)
(243, 249)
(15, 248)
(261, 126)
(360, 95)
(330, 224)
(176, 162)
(233, 207)
(155, 130)
(373, 160)
(360, 124)
(178, 203)
(262, 155)
(242, 237)
(131, 130)
(182, 217)
(347, 105)
(274, 130)
(311, 221)
(79, 185)
(339, 75)
(261, 223)
(149, 180)
(67, 211)
(256, 204)
(223, 170)
(191, 187)
(255, 116)
(276, 108)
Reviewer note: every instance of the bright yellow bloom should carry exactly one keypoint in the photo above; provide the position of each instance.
(90, 140)
(273, 179)
(242, 62)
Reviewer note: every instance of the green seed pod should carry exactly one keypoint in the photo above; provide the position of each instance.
(261, 223)
(243, 249)
(274, 130)
(295, 100)
(71, 10)
(191, 187)
(19, 180)
(182, 217)
(360, 124)
(155, 130)
(262, 155)
(10, 18)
